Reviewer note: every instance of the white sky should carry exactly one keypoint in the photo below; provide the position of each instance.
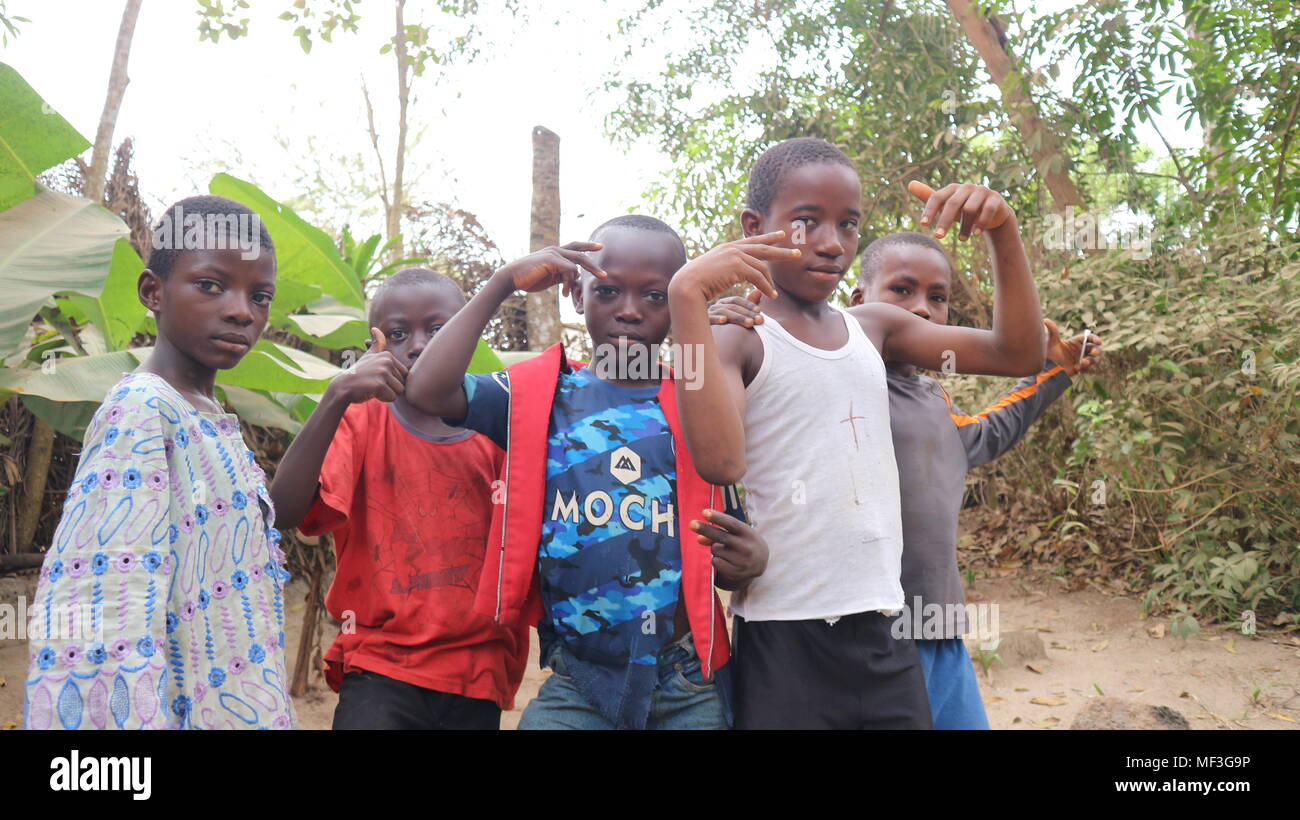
(190, 101)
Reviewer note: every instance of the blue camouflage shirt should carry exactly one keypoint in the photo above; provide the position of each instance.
(609, 554)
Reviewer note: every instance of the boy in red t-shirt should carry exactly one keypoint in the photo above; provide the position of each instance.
(409, 501)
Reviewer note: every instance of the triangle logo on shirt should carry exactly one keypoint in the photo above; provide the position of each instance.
(625, 465)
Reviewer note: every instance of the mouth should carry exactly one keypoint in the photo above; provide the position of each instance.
(626, 337)
(232, 342)
(826, 273)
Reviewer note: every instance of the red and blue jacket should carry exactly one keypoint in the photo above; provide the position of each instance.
(509, 588)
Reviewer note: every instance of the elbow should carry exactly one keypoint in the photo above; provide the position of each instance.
(1030, 364)
(723, 472)
(1026, 361)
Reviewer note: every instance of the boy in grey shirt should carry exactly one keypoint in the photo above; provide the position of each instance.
(935, 444)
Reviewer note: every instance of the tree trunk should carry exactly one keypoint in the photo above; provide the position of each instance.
(23, 560)
(403, 98)
(117, 82)
(544, 327)
(302, 665)
(39, 451)
(1042, 143)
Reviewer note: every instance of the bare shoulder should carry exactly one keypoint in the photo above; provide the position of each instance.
(877, 319)
(740, 348)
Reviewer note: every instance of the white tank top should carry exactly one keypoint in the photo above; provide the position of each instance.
(822, 484)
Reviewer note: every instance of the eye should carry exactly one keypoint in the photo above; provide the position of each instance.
(849, 224)
(807, 220)
(901, 290)
(396, 335)
(606, 292)
(209, 285)
(657, 296)
(939, 297)
(262, 298)
(434, 329)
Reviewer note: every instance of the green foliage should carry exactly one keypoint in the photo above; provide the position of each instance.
(1232, 68)
(894, 84)
(10, 23)
(322, 18)
(1192, 424)
(304, 253)
(52, 243)
(33, 137)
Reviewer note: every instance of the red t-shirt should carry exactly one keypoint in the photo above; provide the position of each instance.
(410, 518)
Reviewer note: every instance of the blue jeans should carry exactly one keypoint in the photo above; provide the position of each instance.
(955, 701)
(683, 699)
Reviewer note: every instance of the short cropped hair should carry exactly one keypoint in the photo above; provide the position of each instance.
(639, 222)
(225, 224)
(777, 161)
(409, 277)
(872, 253)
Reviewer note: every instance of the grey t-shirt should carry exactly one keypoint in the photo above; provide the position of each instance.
(934, 445)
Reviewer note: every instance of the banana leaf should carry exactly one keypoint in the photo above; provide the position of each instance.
(52, 243)
(33, 137)
(303, 252)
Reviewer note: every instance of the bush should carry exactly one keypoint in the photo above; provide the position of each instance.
(1179, 455)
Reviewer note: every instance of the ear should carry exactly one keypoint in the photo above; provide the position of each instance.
(751, 222)
(857, 296)
(576, 294)
(148, 289)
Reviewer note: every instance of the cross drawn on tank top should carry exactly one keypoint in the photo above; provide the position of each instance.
(853, 425)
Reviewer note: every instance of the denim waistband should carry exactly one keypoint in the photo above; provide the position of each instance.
(678, 651)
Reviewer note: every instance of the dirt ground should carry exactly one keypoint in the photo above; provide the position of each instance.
(1094, 643)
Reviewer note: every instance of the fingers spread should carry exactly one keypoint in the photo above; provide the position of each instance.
(764, 239)
(771, 252)
(578, 258)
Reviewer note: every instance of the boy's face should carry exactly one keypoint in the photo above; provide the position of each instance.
(916, 278)
(822, 204)
(214, 305)
(409, 315)
(629, 308)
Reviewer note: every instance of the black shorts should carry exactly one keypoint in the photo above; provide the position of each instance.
(368, 700)
(853, 674)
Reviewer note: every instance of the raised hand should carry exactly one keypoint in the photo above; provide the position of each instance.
(1074, 355)
(739, 552)
(737, 310)
(376, 375)
(732, 263)
(551, 266)
(979, 208)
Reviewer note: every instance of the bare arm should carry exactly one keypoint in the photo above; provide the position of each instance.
(436, 382)
(377, 374)
(1014, 346)
(712, 405)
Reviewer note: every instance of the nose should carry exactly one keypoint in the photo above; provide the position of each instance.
(628, 310)
(237, 308)
(826, 241)
(922, 312)
(419, 341)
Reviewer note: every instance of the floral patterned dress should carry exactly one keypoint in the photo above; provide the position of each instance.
(160, 603)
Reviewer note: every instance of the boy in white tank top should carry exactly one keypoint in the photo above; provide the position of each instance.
(800, 411)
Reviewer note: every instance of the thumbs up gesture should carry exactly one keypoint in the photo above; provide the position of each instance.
(376, 375)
